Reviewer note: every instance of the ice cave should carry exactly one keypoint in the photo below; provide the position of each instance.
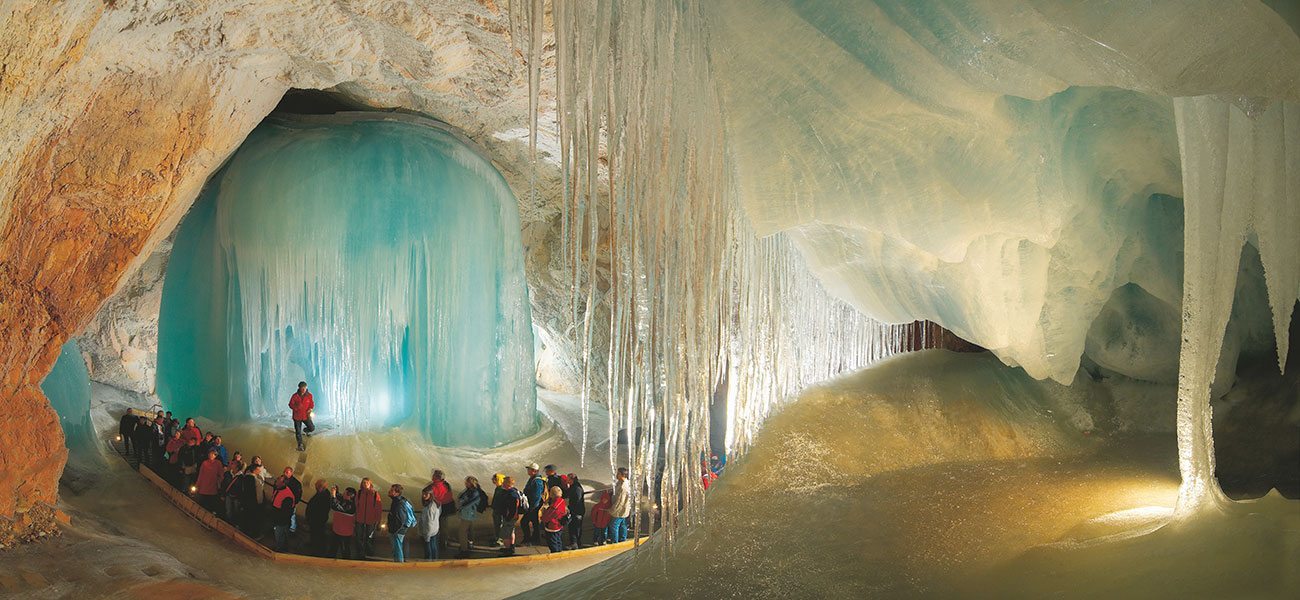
(792, 298)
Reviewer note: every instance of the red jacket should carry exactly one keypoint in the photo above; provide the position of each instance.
(301, 405)
(343, 523)
(369, 507)
(210, 477)
(553, 513)
(441, 492)
(191, 432)
(600, 514)
(174, 446)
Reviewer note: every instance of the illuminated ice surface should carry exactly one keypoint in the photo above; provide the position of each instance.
(941, 475)
(376, 258)
(68, 388)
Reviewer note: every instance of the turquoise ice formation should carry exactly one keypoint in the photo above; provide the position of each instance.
(68, 388)
(377, 258)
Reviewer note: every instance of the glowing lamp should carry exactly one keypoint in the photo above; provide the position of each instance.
(194, 489)
(383, 525)
(118, 437)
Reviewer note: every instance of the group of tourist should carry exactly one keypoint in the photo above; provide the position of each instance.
(546, 509)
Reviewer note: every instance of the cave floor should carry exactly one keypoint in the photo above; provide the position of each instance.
(127, 541)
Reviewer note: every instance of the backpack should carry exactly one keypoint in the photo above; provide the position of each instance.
(518, 504)
(482, 502)
(408, 514)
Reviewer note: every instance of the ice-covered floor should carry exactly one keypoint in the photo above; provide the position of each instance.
(939, 475)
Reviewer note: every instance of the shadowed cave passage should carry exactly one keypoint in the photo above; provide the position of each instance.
(375, 257)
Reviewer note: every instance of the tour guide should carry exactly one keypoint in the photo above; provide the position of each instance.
(301, 404)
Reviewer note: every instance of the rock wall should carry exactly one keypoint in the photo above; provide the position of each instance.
(121, 342)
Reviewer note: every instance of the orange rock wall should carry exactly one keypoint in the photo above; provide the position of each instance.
(89, 198)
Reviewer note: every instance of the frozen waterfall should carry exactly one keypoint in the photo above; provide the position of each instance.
(375, 257)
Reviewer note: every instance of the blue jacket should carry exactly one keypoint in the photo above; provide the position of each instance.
(221, 454)
(533, 490)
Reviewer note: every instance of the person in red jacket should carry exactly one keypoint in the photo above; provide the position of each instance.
(370, 507)
(600, 519)
(209, 483)
(301, 404)
(553, 519)
(191, 432)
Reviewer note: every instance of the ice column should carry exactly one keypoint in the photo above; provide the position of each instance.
(376, 257)
(1241, 176)
(68, 388)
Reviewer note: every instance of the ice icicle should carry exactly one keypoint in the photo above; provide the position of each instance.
(1239, 178)
(673, 294)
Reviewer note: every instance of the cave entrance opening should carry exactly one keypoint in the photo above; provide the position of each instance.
(375, 256)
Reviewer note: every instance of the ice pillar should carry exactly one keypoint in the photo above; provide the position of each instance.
(377, 258)
(1241, 175)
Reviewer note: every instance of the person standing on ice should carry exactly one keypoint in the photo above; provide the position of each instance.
(554, 519)
(439, 492)
(469, 504)
(497, 480)
(344, 524)
(576, 498)
(318, 516)
(534, 489)
(282, 509)
(430, 526)
(620, 508)
(301, 404)
(208, 485)
(369, 506)
(507, 503)
(126, 429)
(191, 432)
(401, 517)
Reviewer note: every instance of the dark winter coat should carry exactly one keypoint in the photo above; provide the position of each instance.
(248, 490)
(574, 496)
(294, 486)
(142, 436)
(506, 503)
(400, 515)
(126, 426)
(318, 510)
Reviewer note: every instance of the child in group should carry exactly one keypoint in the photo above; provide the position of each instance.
(600, 519)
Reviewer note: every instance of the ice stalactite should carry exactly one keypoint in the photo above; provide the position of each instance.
(68, 388)
(376, 257)
(664, 265)
(1241, 178)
